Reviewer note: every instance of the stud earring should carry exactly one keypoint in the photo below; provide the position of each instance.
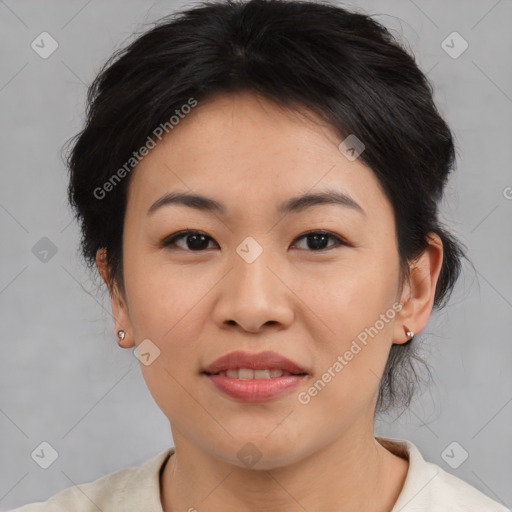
(121, 335)
(409, 333)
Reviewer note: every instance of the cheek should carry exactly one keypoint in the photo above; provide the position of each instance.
(166, 308)
(351, 361)
(353, 295)
(162, 296)
(357, 321)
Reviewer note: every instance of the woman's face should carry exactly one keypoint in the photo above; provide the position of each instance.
(252, 282)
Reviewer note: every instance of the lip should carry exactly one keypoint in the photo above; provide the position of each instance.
(254, 390)
(256, 361)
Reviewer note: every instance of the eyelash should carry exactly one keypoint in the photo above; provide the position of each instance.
(171, 240)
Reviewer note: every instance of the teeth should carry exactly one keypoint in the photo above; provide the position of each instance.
(247, 373)
(262, 374)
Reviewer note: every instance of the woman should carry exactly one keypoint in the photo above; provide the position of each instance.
(258, 185)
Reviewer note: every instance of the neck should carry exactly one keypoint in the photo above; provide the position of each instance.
(354, 473)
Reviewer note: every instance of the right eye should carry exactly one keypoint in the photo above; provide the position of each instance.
(194, 241)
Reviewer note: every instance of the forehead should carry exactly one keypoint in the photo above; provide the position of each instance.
(251, 154)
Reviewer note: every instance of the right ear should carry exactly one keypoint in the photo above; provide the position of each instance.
(119, 308)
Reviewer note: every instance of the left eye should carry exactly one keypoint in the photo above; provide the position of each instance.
(317, 239)
(197, 241)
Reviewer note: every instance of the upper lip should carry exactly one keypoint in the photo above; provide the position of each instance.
(254, 361)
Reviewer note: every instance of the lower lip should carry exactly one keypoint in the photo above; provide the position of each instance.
(255, 390)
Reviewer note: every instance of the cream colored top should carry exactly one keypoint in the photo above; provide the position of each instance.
(427, 487)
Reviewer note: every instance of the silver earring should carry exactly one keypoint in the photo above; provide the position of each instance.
(121, 335)
(410, 334)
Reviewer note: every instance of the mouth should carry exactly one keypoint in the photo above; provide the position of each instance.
(248, 373)
(254, 377)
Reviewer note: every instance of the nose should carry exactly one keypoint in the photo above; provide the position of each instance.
(254, 295)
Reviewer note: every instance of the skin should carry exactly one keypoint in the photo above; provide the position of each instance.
(304, 303)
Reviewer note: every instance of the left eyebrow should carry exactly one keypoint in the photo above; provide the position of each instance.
(300, 203)
(295, 204)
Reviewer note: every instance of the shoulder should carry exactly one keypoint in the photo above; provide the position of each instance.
(462, 496)
(429, 487)
(110, 493)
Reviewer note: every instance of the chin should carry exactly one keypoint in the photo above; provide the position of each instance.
(261, 452)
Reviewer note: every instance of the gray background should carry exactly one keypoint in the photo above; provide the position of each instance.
(64, 380)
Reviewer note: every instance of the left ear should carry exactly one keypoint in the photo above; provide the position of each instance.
(419, 291)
